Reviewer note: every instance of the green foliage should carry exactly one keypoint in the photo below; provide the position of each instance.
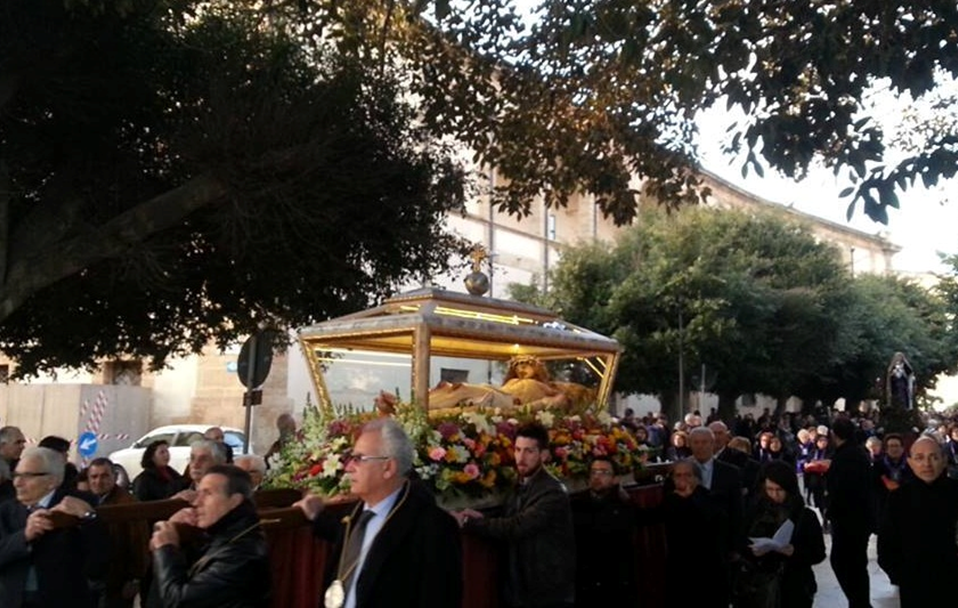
(598, 91)
(175, 172)
(763, 305)
(878, 316)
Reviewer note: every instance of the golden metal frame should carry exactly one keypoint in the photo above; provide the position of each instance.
(431, 321)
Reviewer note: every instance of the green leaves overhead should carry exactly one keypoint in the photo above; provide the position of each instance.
(592, 92)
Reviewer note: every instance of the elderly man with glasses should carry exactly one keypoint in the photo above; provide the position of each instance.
(52, 548)
(398, 548)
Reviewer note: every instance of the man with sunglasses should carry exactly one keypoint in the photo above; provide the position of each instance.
(398, 548)
(44, 565)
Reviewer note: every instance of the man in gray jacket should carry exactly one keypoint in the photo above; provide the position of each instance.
(537, 525)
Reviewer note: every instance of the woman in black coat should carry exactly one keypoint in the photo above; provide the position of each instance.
(780, 577)
(158, 481)
(692, 530)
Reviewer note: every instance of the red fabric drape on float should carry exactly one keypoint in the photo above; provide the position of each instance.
(299, 562)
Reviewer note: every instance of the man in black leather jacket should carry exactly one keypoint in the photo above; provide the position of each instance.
(232, 568)
(537, 525)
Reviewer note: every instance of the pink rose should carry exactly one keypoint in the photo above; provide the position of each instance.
(471, 470)
(561, 452)
(437, 453)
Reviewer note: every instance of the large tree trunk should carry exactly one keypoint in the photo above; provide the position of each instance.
(726, 407)
(780, 403)
(671, 406)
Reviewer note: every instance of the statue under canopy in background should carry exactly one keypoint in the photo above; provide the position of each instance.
(900, 383)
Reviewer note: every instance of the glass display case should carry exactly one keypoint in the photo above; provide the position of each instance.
(433, 343)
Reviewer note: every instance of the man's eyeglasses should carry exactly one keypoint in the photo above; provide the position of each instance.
(360, 458)
(601, 473)
(29, 475)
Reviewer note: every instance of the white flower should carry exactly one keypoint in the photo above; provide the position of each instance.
(575, 418)
(479, 421)
(604, 418)
(546, 418)
(331, 466)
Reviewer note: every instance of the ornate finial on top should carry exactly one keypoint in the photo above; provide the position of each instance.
(478, 255)
(477, 283)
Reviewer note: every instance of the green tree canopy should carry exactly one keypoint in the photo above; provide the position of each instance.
(175, 172)
(764, 305)
(877, 317)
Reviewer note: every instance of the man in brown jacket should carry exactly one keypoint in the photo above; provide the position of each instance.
(128, 540)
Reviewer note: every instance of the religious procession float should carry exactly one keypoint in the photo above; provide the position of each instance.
(460, 372)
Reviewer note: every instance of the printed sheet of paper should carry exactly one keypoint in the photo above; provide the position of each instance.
(783, 536)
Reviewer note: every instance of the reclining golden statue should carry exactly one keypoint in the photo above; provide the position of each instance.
(527, 384)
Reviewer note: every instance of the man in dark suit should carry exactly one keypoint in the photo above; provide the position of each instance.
(851, 511)
(724, 483)
(399, 547)
(42, 565)
(748, 466)
(916, 542)
(128, 539)
(605, 523)
(12, 443)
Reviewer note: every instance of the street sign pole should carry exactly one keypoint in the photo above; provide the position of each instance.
(252, 367)
(248, 397)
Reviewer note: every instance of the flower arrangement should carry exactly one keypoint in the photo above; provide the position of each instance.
(465, 454)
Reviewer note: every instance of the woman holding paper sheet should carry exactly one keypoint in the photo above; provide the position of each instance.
(781, 541)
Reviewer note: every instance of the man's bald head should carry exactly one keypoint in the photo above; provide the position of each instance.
(927, 459)
(720, 432)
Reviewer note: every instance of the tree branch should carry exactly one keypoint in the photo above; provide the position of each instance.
(48, 221)
(29, 275)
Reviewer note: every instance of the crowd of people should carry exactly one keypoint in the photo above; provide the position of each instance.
(860, 480)
(748, 519)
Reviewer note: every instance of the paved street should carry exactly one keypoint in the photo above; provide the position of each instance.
(830, 595)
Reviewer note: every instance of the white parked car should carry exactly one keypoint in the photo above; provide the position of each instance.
(179, 437)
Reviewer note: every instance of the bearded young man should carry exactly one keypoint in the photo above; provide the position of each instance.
(537, 528)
